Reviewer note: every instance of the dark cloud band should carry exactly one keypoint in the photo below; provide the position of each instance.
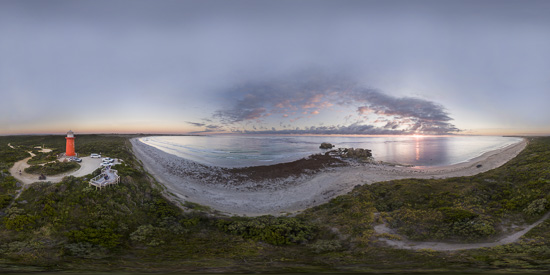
(311, 93)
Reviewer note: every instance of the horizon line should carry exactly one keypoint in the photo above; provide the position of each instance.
(263, 134)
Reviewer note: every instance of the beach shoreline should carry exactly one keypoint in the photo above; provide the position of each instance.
(185, 180)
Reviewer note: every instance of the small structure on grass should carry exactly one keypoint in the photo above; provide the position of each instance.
(107, 177)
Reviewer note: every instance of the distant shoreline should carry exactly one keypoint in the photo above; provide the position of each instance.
(250, 151)
(210, 186)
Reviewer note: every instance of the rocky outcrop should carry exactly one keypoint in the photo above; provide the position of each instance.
(358, 153)
(352, 153)
(326, 145)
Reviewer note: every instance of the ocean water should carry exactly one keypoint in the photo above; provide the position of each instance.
(245, 150)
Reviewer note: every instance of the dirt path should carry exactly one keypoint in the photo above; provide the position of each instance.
(87, 166)
(443, 246)
(11, 146)
(18, 169)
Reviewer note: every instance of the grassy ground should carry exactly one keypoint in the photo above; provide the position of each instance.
(131, 227)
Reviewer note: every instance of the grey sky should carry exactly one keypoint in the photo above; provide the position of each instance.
(154, 66)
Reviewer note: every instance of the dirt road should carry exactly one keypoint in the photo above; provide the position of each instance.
(443, 246)
(87, 166)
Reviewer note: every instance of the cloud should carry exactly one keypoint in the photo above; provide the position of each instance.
(385, 104)
(191, 53)
(423, 116)
(352, 129)
(300, 92)
(214, 128)
(198, 124)
(363, 110)
(207, 127)
(311, 93)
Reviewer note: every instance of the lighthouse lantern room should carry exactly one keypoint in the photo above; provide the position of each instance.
(70, 144)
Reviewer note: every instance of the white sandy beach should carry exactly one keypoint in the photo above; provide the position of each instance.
(278, 197)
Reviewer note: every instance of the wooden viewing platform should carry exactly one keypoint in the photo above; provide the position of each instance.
(107, 177)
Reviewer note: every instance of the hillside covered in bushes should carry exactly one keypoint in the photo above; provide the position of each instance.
(133, 227)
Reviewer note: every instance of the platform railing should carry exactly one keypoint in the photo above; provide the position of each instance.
(100, 181)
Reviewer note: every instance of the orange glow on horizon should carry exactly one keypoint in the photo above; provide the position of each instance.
(155, 127)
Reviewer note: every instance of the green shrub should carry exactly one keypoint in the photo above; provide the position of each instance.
(105, 237)
(8, 183)
(536, 207)
(5, 200)
(40, 158)
(148, 235)
(269, 229)
(9, 156)
(324, 246)
(161, 209)
(17, 220)
(456, 215)
(443, 223)
(52, 168)
(418, 224)
(85, 250)
(125, 170)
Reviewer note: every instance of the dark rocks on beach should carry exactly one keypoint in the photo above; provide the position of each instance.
(352, 153)
(305, 166)
(479, 166)
(357, 153)
(326, 145)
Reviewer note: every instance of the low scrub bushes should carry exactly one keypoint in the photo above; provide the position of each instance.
(443, 223)
(40, 158)
(324, 246)
(105, 237)
(537, 207)
(53, 168)
(5, 201)
(16, 219)
(269, 229)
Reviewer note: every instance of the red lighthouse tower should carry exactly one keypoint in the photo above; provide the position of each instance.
(69, 152)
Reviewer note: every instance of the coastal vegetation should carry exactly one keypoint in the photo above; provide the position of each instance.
(8, 185)
(41, 158)
(132, 227)
(52, 168)
(468, 207)
(269, 229)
